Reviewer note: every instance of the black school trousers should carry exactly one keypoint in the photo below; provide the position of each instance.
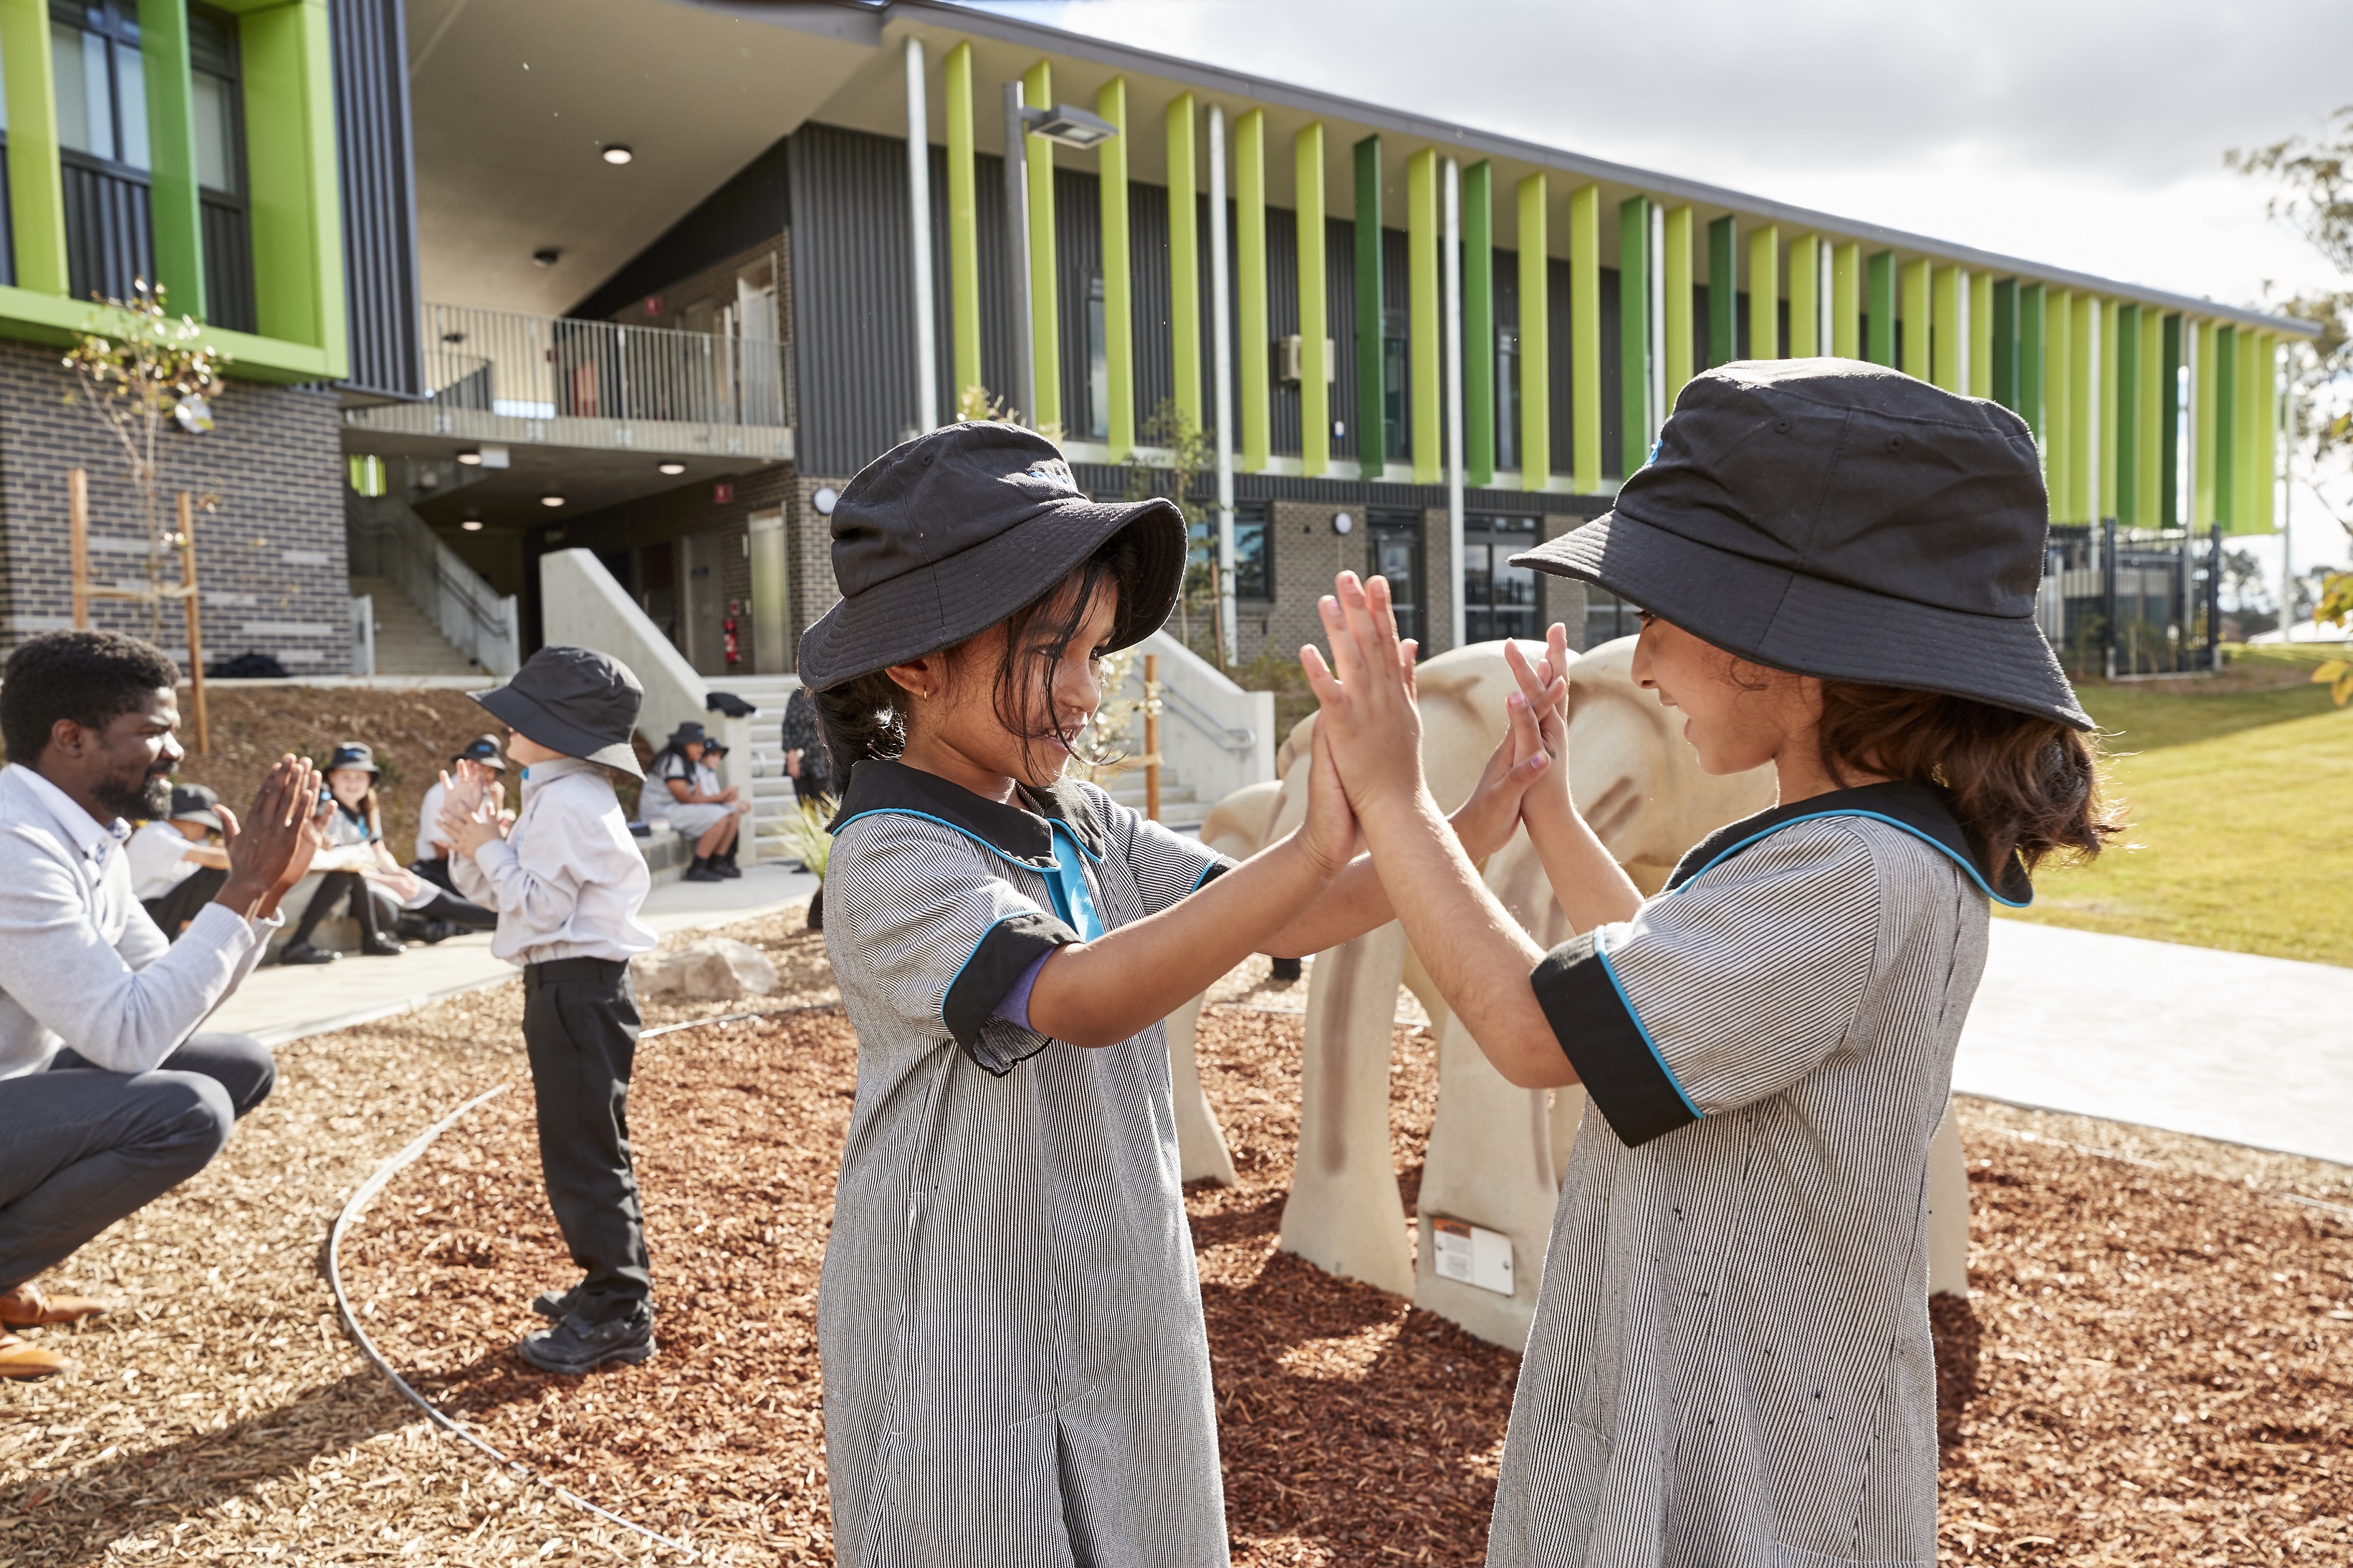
(580, 1027)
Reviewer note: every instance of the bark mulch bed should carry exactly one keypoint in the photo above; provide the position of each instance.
(2157, 1365)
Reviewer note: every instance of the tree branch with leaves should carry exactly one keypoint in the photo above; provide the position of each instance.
(155, 370)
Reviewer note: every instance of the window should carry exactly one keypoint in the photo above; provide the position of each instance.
(1499, 599)
(1507, 397)
(101, 83)
(1253, 564)
(220, 124)
(217, 105)
(1397, 376)
(1607, 617)
(1394, 541)
(1098, 363)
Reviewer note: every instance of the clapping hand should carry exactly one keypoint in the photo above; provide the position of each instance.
(271, 849)
(471, 814)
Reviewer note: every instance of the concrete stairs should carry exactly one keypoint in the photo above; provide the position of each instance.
(406, 643)
(1181, 808)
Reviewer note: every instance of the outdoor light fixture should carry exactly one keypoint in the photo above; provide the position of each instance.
(550, 500)
(547, 257)
(672, 468)
(1069, 125)
(472, 525)
(617, 153)
(823, 501)
(1341, 522)
(471, 458)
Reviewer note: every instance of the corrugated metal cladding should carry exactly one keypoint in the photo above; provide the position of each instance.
(752, 209)
(996, 297)
(375, 159)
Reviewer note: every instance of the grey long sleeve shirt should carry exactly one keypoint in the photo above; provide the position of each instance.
(567, 880)
(81, 963)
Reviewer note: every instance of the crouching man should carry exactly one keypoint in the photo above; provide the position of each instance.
(109, 1097)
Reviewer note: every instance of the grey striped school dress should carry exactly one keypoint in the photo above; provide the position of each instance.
(1730, 1365)
(1016, 1369)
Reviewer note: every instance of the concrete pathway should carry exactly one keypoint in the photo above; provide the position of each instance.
(279, 1004)
(2225, 1044)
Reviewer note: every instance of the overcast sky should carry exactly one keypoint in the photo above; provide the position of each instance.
(2084, 135)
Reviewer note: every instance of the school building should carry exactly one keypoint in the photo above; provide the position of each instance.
(657, 279)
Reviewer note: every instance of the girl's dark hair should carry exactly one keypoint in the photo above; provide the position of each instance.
(2022, 786)
(866, 716)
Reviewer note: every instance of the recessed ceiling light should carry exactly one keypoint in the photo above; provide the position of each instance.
(617, 153)
(672, 468)
(470, 457)
(547, 257)
(550, 500)
(472, 525)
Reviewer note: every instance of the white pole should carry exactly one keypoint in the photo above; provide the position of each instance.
(1017, 249)
(1656, 289)
(919, 224)
(1222, 362)
(1454, 398)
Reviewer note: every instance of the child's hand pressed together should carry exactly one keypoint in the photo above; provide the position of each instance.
(1544, 685)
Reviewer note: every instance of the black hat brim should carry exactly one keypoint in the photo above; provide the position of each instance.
(535, 723)
(209, 818)
(941, 604)
(1788, 620)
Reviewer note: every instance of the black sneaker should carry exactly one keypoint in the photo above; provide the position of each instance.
(576, 1345)
(701, 871)
(303, 953)
(725, 865)
(555, 1305)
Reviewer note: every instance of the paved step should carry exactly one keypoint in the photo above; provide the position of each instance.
(406, 643)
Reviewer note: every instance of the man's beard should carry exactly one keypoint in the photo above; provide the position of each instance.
(148, 795)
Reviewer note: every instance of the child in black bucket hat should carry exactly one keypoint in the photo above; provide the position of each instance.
(1015, 1367)
(1731, 1359)
(567, 880)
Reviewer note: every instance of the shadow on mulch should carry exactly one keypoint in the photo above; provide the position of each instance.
(2156, 1365)
(84, 1522)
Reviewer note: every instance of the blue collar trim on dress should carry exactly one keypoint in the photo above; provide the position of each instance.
(1921, 810)
(1022, 834)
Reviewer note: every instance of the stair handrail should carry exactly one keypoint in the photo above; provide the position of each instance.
(1225, 736)
(479, 621)
(1241, 740)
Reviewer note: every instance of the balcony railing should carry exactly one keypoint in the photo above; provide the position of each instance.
(553, 367)
(501, 376)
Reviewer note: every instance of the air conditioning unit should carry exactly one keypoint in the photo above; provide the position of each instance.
(1287, 356)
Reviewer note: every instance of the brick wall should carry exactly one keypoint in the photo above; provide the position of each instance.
(269, 556)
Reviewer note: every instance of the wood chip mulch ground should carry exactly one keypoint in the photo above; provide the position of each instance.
(2156, 1366)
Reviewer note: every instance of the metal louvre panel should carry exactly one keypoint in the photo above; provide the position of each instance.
(228, 264)
(1147, 240)
(110, 234)
(853, 332)
(375, 159)
(1078, 257)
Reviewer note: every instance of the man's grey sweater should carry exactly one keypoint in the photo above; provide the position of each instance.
(81, 963)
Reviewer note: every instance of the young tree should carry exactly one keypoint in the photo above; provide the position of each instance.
(157, 369)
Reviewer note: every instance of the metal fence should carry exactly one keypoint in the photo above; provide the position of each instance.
(550, 367)
(2120, 603)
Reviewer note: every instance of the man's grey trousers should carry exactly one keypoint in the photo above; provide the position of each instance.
(80, 1148)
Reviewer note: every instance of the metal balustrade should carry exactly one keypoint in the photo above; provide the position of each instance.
(553, 367)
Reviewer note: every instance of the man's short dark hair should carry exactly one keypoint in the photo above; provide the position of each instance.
(90, 678)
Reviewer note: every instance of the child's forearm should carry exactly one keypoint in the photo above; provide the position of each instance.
(1592, 887)
(1100, 993)
(1356, 902)
(1476, 953)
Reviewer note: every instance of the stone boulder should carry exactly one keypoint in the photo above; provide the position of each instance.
(715, 969)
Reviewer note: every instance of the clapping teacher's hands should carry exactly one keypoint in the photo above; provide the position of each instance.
(270, 849)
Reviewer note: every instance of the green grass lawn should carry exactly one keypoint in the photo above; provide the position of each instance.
(2241, 812)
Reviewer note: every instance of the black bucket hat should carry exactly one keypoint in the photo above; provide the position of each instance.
(352, 754)
(946, 535)
(692, 731)
(1843, 521)
(575, 700)
(485, 749)
(195, 802)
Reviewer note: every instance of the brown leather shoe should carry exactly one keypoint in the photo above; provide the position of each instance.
(23, 1363)
(28, 1307)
